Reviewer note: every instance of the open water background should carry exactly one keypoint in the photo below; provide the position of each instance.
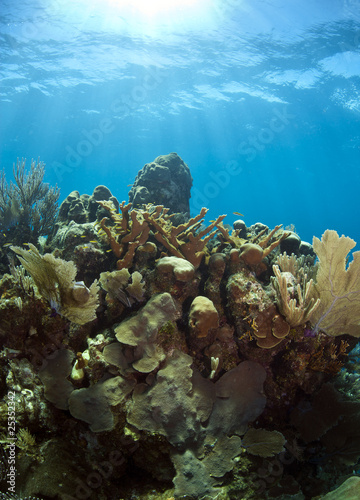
(261, 98)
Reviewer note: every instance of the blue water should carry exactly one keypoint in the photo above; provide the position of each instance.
(261, 98)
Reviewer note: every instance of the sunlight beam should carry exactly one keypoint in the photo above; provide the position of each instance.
(150, 9)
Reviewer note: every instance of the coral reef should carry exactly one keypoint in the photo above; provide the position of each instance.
(74, 235)
(185, 361)
(181, 400)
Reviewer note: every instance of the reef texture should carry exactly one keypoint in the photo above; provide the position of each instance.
(153, 359)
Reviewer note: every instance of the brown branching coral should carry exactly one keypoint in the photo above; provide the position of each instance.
(182, 241)
(254, 251)
(265, 241)
(131, 230)
(127, 233)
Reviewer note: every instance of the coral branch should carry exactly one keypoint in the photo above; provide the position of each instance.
(298, 308)
(184, 241)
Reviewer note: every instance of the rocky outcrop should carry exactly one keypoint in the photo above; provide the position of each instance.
(165, 181)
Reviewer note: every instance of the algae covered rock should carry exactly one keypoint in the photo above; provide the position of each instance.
(165, 181)
(84, 208)
(75, 234)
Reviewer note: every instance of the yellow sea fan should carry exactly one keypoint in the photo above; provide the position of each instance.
(337, 286)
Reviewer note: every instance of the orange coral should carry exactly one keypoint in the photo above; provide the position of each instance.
(263, 240)
(252, 252)
(127, 234)
(131, 229)
(182, 241)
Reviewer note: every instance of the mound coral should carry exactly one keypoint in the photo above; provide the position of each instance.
(203, 316)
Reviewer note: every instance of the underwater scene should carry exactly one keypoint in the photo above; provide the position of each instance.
(179, 250)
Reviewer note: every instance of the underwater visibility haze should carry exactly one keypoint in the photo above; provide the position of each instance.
(179, 280)
(98, 89)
